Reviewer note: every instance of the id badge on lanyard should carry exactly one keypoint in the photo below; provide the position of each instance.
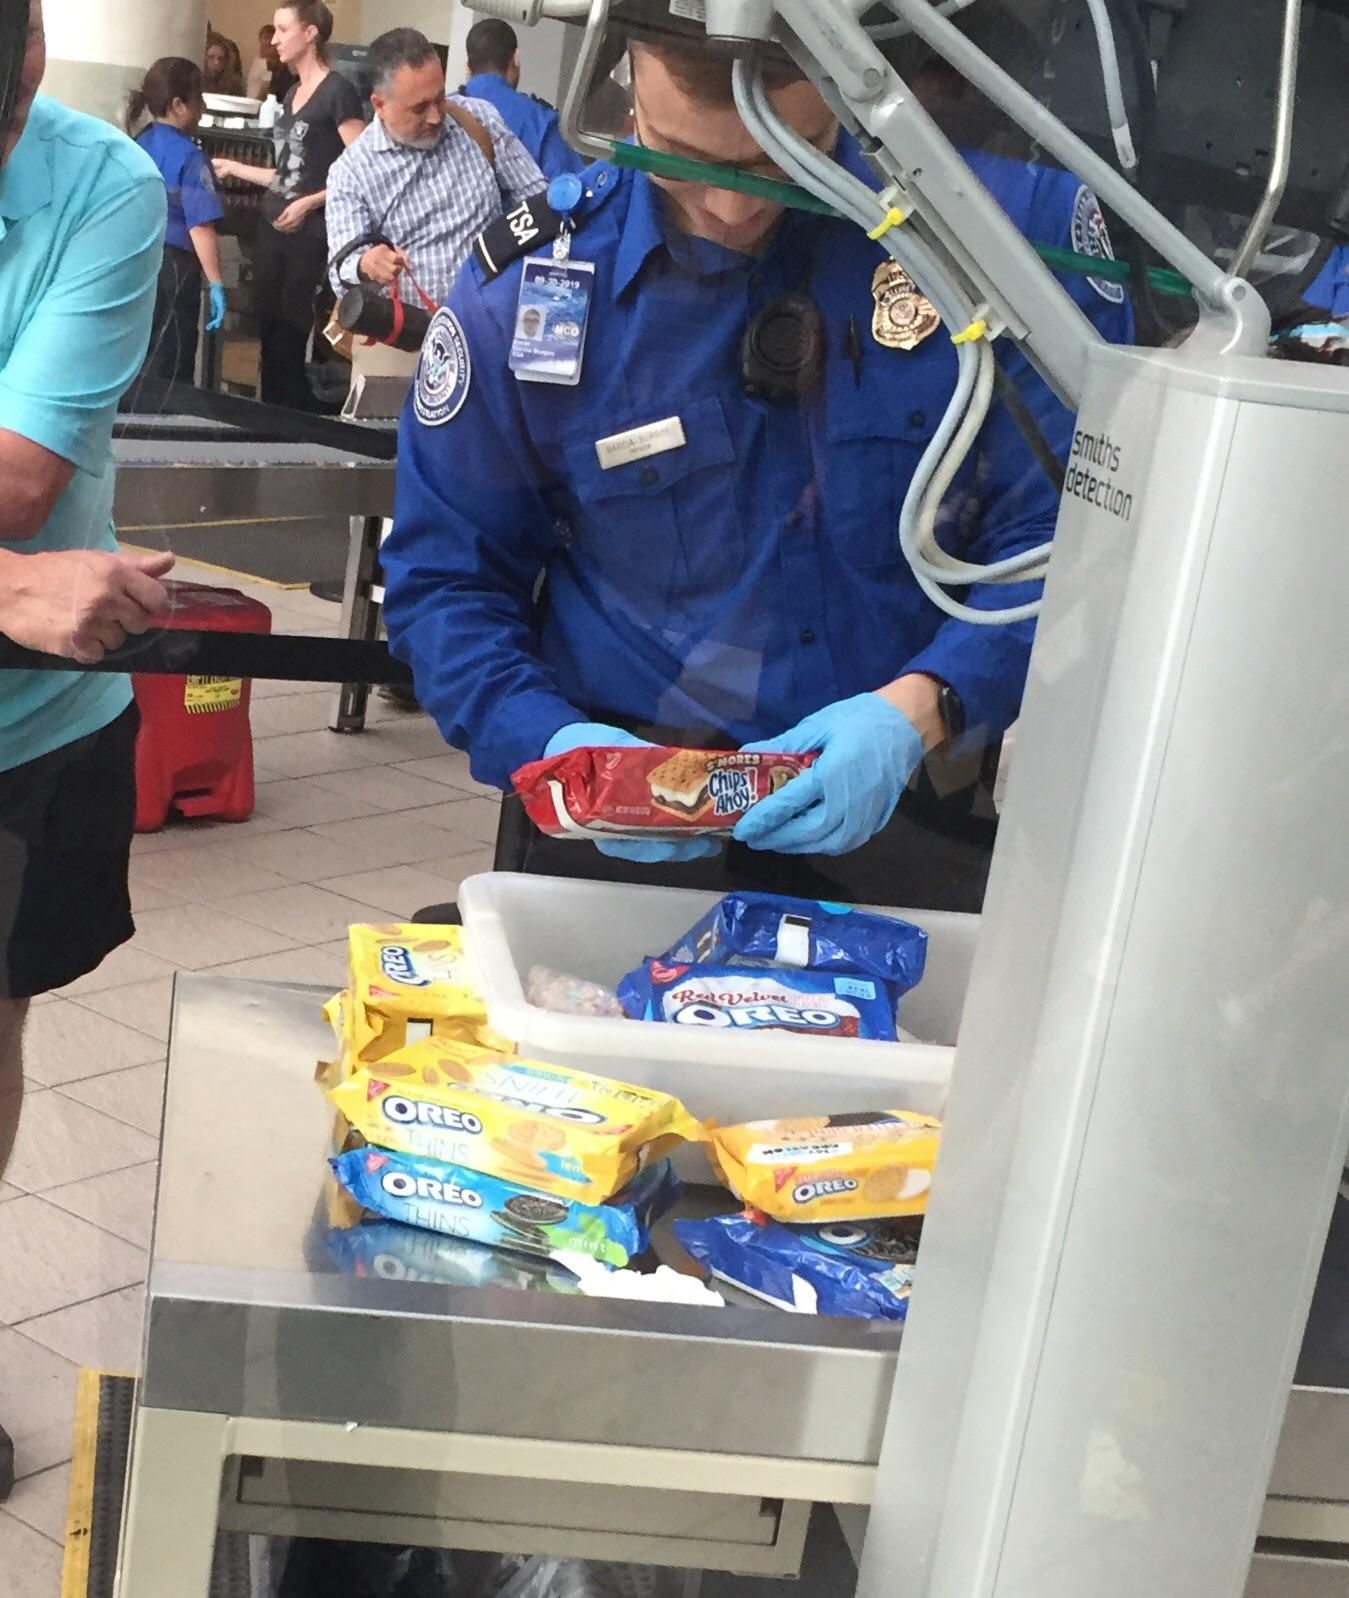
(553, 315)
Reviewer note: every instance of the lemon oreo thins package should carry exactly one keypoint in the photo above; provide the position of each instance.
(544, 1127)
(868, 1167)
(407, 980)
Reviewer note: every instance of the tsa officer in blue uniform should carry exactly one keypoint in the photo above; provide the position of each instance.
(494, 64)
(655, 552)
(172, 95)
(1329, 291)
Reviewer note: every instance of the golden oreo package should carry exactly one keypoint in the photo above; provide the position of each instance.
(874, 1166)
(540, 1126)
(406, 980)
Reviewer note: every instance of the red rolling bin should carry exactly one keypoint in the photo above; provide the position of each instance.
(194, 753)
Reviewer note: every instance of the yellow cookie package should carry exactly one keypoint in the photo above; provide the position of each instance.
(406, 981)
(874, 1166)
(541, 1126)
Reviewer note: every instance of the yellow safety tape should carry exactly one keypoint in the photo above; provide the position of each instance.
(207, 566)
(80, 1503)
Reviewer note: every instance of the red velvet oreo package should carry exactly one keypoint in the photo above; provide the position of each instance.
(761, 999)
(650, 792)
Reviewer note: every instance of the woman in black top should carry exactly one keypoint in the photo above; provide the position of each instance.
(321, 116)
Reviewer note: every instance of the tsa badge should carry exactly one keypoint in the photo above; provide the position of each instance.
(903, 317)
(445, 372)
(1091, 236)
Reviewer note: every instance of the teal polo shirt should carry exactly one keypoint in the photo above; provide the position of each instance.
(81, 239)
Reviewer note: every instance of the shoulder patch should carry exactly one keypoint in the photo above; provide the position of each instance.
(1090, 236)
(445, 372)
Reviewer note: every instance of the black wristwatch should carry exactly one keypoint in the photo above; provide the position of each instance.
(950, 709)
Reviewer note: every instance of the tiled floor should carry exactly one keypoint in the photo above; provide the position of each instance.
(347, 828)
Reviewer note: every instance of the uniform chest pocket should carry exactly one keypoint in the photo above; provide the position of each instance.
(875, 445)
(667, 522)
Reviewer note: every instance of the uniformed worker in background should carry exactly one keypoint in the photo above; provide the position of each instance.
(730, 576)
(81, 233)
(493, 50)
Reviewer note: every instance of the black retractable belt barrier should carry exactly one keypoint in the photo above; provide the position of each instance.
(283, 658)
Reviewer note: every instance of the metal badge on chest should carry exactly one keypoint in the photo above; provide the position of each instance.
(903, 317)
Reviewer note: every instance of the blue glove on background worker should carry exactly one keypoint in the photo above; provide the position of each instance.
(596, 735)
(219, 306)
(868, 751)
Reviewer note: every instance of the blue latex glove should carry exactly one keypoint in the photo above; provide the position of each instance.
(868, 751)
(219, 305)
(596, 735)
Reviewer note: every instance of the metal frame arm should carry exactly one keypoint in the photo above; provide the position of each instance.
(970, 230)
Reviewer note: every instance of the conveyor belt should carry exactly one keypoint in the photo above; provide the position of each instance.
(181, 472)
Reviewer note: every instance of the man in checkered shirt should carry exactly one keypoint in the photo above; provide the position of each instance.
(419, 177)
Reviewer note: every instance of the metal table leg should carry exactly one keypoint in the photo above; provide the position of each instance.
(360, 616)
(172, 1504)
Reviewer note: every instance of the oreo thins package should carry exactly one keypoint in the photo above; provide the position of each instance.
(754, 998)
(388, 1252)
(460, 1203)
(551, 321)
(863, 1270)
(775, 930)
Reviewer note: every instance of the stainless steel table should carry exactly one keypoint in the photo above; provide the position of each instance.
(279, 1395)
(177, 471)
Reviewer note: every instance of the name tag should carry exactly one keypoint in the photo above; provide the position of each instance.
(640, 443)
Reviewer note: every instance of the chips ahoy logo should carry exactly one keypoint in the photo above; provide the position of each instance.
(732, 792)
(397, 964)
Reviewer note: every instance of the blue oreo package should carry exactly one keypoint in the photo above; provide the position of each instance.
(386, 1251)
(761, 998)
(859, 1269)
(464, 1204)
(807, 933)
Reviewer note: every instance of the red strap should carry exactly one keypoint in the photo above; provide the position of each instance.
(400, 312)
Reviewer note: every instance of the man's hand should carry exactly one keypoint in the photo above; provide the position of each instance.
(292, 218)
(382, 264)
(80, 603)
(224, 167)
(869, 747)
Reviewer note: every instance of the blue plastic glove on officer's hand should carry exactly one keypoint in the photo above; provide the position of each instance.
(219, 306)
(596, 735)
(868, 751)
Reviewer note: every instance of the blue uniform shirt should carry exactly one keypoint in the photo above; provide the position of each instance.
(1330, 289)
(747, 577)
(535, 125)
(81, 231)
(193, 200)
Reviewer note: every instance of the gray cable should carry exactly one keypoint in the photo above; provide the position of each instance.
(965, 414)
(1114, 88)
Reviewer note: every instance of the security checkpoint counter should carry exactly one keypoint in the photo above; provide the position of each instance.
(280, 1397)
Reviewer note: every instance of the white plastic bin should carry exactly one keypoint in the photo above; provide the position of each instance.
(602, 930)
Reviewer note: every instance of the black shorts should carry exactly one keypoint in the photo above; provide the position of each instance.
(66, 824)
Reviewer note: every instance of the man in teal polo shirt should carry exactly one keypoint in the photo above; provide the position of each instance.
(81, 228)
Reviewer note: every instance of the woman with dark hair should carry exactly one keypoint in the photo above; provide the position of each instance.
(171, 95)
(322, 114)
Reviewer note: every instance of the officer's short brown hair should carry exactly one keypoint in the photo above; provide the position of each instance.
(704, 74)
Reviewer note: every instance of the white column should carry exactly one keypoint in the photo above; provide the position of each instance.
(98, 49)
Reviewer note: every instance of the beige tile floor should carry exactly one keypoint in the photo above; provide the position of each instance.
(347, 828)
